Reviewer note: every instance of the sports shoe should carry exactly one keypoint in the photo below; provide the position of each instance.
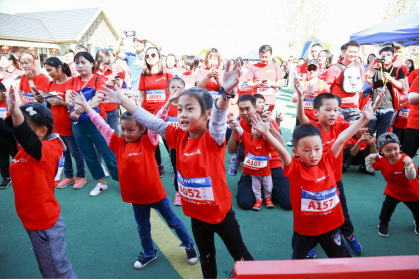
(161, 170)
(142, 261)
(257, 205)
(65, 182)
(416, 228)
(191, 255)
(5, 184)
(98, 189)
(363, 170)
(105, 172)
(290, 143)
(311, 254)
(177, 200)
(80, 182)
(383, 229)
(354, 245)
(268, 203)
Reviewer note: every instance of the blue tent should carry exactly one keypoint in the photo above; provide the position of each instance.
(402, 28)
(308, 43)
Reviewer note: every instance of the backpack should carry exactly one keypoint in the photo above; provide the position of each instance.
(89, 93)
(351, 80)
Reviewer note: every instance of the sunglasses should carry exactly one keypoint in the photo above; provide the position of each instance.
(153, 55)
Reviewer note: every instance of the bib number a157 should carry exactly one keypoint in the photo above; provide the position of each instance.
(319, 203)
(309, 103)
(157, 95)
(196, 190)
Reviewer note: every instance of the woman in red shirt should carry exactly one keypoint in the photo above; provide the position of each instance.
(153, 86)
(210, 75)
(60, 72)
(325, 61)
(7, 77)
(32, 78)
(191, 64)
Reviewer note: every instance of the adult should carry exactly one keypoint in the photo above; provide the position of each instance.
(171, 65)
(68, 57)
(153, 87)
(281, 186)
(191, 64)
(265, 76)
(370, 59)
(411, 137)
(410, 66)
(315, 50)
(325, 59)
(390, 78)
(10, 71)
(80, 48)
(349, 109)
(243, 81)
(398, 47)
(210, 76)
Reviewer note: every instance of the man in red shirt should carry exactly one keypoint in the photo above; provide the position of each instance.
(315, 50)
(265, 76)
(398, 47)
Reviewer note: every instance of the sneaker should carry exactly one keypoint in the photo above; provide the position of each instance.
(105, 172)
(98, 189)
(161, 170)
(416, 228)
(191, 255)
(142, 261)
(257, 205)
(311, 254)
(80, 182)
(268, 203)
(5, 184)
(363, 170)
(177, 200)
(383, 229)
(290, 143)
(65, 182)
(354, 245)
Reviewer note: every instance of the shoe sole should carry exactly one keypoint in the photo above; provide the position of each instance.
(258, 209)
(177, 204)
(66, 185)
(3, 188)
(98, 193)
(381, 234)
(80, 186)
(146, 263)
(415, 231)
(191, 262)
(270, 206)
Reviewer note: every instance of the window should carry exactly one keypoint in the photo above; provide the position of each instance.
(89, 47)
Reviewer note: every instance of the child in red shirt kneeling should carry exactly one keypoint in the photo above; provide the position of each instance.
(402, 179)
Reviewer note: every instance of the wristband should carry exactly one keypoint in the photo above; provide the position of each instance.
(226, 95)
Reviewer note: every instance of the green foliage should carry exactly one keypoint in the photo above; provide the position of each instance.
(327, 46)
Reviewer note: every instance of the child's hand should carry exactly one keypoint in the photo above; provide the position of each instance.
(380, 93)
(279, 119)
(231, 75)
(11, 102)
(374, 157)
(367, 112)
(174, 95)
(298, 87)
(259, 125)
(233, 124)
(112, 96)
(80, 99)
(407, 161)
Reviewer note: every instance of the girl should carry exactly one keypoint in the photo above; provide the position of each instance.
(370, 59)
(60, 72)
(139, 184)
(410, 66)
(200, 146)
(7, 77)
(191, 64)
(38, 161)
(209, 76)
(84, 130)
(153, 88)
(32, 78)
(171, 65)
(325, 59)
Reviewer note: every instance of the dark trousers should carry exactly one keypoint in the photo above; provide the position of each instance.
(411, 142)
(389, 205)
(347, 228)
(281, 190)
(400, 133)
(157, 156)
(331, 242)
(229, 231)
(74, 150)
(7, 150)
(172, 161)
(358, 159)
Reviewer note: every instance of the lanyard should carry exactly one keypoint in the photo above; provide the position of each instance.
(386, 81)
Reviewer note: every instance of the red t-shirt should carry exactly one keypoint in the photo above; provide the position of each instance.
(275, 161)
(4, 113)
(413, 117)
(212, 86)
(95, 81)
(333, 78)
(259, 72)
(189, 79)
(234, 109)
(314, 196)
(302, 68)
(363, 145)
(399, 64)
(41, 83)
(36, 205)
(110, 74)
(201, 175)
(398, 185)
(9, 78)
(172, 117)
(243, 85)
(402, 118)
(319, 87)
(328, 139)
(73, 70)
(61, 116)
(412, 76)
(322, 74)
(256, 160)
(137, 170)
(156, 91)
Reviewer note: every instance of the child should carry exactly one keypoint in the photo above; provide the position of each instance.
(402, 180)
(200, 146)
(139, 181)
(38, 161)
(317, 212)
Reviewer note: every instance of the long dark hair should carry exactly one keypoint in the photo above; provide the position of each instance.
(328, 61)
(55, 62)
(412, 66)
(88, 57)
(11, 57)
(147, 71)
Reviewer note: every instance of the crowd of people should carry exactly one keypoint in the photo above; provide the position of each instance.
(92, 110)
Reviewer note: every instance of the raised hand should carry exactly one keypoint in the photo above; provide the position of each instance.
(80, 99)
(259, 125)
(298, 87)
(11, 102)
(111, 96)
(29, 75)
(231, 75)
(407, 161)
(367, 112)
(374, 157)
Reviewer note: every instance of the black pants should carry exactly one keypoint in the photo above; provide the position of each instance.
(331, 242)
(400, 133)
(358, 159)
(7, 150)
(157, 156)
(347, 228)
(281, 190)
(389, 205)
(411, 142)
(228, 134)
(229, 232)
(297, 122)
(172, 161)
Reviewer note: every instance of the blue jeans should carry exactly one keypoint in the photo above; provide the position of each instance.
(74, 150)
(112, 119)
(381, 120)
(87, 137)
(142, 216)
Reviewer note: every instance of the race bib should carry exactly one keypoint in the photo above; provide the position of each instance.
(255, 162)
(214, 92)
(404, 113)
(309, 103)
(3, 112)
(244, 87)
(172, 121)
(320, 203)
(265, 90)
(196, 190)
(156, 95)
(28, 97)
(59, 170)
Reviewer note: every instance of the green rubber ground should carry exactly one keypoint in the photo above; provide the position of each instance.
(102, 239)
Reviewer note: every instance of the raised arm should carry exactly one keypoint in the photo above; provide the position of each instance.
(300, 109)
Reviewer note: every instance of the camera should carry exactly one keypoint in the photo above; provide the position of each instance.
(380, 59)
(130, 33)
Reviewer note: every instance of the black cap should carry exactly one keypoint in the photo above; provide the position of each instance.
(313, 62)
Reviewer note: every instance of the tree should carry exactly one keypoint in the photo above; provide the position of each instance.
(395, 8)
(327, 46)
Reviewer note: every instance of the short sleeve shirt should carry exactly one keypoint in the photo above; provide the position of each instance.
(135, 62)
(378, 82)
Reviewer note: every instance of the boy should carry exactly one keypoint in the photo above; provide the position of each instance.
(317, 212)
(402, 180)
(398, 47)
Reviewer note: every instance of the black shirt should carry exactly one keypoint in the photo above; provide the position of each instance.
(378, 82)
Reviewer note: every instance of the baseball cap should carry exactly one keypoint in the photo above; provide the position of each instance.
(382, 141)
(312, 62)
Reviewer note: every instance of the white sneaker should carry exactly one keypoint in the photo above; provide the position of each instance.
(105, 172)
(98, 189)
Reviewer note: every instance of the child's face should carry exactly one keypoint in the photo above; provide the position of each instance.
(130, 131)
(390, 151)
(189, 114)
(170, 61)
(3, 97)
(309, 150)
(328, 112)
(362, 131)
(255, 134)
(260, 105)
(175, 85)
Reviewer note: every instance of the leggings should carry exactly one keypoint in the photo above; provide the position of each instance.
(172, 161)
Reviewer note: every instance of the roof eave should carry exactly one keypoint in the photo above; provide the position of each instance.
(28, 39)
